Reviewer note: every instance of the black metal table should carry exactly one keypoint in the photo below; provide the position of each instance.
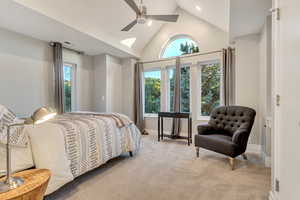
(177, 115)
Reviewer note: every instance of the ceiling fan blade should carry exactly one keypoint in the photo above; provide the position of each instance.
(167, 18)
(129, 26)
(133, 5)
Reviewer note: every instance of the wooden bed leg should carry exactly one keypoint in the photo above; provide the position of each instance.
(130, 154)
(197, 151)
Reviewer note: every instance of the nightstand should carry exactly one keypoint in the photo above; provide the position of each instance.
(34, 188)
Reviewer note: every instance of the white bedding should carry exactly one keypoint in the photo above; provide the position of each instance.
(72, 145)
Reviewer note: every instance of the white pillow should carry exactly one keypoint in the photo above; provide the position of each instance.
(17, 135)
(21, 155)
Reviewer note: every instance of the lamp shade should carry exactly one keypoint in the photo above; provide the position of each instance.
(41, 115)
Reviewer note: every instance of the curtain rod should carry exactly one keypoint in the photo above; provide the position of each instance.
(183, 56)
(67, 48)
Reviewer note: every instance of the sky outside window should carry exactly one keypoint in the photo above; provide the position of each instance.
(174, 48)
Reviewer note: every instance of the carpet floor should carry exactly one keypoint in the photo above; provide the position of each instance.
(169, 170)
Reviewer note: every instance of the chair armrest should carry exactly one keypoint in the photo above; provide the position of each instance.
(205, 129)
(240, 137)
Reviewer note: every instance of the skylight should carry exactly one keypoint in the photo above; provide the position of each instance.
(128, 42)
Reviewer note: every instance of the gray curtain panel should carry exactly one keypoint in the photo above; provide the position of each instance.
(138, 98)
(229, 76)
(58, 77)
(177, 93)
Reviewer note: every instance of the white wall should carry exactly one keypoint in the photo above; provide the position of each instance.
(100, 83)
(114, 84)
(248, 79)
(26, 74)
(128, 87)
(107, 84)
(208, 37)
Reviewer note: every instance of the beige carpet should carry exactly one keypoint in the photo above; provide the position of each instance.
(169, 170)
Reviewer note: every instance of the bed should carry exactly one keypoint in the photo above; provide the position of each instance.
(70, 144)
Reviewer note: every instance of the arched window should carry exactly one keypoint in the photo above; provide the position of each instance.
(179, 45)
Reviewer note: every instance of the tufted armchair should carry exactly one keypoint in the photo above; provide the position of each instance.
(227, 131)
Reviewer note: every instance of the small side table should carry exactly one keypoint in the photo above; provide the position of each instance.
(34, 188)
(176, 115)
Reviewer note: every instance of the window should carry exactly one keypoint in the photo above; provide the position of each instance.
(184, 88)
(152, 83)
(210, 87)
(180, 45)
(69, 89)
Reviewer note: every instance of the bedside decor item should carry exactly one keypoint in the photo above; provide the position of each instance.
(227, 131)
(39, 116)
(34, 187)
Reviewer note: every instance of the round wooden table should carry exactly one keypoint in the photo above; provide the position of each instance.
(34, 188)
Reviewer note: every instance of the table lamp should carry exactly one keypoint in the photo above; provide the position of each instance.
(41, 115)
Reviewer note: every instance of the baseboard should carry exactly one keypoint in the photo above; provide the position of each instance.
(151, 132)
(254, 148)
(267, 159)
(273, 196)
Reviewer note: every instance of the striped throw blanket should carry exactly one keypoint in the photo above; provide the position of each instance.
(91, 139)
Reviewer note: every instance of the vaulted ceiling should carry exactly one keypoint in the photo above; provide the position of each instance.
(89, 23)
(102, 18)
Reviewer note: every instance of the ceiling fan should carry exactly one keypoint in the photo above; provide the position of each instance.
(142, 17)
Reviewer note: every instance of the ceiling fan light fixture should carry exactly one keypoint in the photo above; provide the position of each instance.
(141, 20)
(142, 17)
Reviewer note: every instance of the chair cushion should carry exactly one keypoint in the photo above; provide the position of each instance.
(218, 143)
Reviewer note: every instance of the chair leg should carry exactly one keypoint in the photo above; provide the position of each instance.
(197, 151)
(244, 156)
(232, 162)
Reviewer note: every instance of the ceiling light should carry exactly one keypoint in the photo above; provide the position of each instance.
(128, 42)
(149, 23)
(199, 8)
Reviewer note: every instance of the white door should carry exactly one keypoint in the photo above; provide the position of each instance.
(286, 148)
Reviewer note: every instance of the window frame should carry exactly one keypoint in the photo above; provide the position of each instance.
(149, 115)
(73, 66)
(199, 86)
(172, 39)
(168, 105)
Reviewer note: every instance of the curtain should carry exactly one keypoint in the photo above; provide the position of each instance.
(229, 76)
(138, 98)
(176, 122)
(58, 77)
